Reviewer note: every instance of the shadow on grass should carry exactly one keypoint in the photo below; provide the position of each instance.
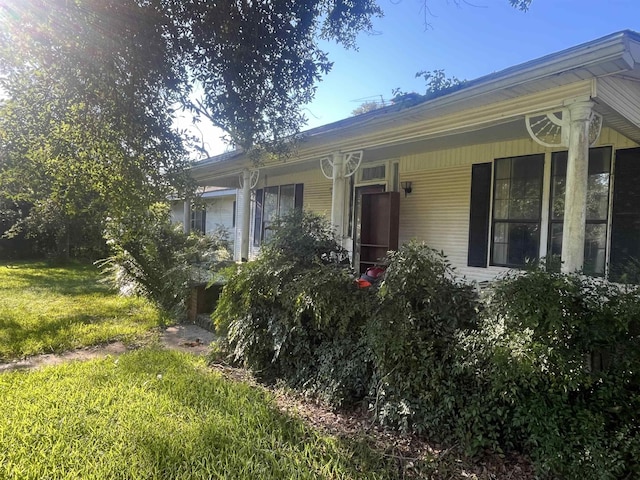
(242, 434)
(47, 309)
(76, 279)
(155, 413)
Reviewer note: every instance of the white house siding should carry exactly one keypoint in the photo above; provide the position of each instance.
(177, 212)
(437, 210)
(220, 213)
(617, 140)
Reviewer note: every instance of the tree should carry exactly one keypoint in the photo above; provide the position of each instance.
(366, 107)
(437, 81)
(86, 118)
(90, 87)
(258, 62)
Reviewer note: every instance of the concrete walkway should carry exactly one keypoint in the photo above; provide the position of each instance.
(183, 337)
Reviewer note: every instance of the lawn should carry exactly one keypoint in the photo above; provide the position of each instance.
(46, 309)
(160, 414)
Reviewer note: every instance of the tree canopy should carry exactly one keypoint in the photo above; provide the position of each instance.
(89, 88)
(259, 62)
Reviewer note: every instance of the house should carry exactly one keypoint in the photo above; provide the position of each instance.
(214, 210)
(540, 159)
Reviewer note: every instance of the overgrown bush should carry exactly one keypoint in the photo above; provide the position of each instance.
(414, 337)
(295, 313)
(544, 363)
(154, 258)
(560, 356)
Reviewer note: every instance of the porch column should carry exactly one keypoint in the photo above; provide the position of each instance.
(338, 195)
(575, 204)
(246, 215)
(186, 220)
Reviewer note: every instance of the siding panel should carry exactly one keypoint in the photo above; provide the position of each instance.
(437, 211)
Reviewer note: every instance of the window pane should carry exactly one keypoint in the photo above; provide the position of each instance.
(503, 168)
(501, 209)
(287, 195)
(558, 188)
(257, 226)
(599, 160)
(559, 164)
(598, 196)
(500, 254)
(594, 248)
(500, 233)
(525, 168)
(522, 243)
(270, 211)
(555, 239)
(501, 189)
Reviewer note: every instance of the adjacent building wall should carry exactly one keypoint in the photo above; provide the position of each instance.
(219, 213)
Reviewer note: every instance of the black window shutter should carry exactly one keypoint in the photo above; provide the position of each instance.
(298, 196)
(625, 219)
(479, 214)
(257, 225)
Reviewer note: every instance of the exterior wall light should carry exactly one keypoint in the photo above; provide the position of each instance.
(406, 186)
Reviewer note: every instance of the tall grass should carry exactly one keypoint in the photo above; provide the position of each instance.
(47, 309)
(157, 414)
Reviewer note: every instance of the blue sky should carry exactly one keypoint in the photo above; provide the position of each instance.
(468, 40)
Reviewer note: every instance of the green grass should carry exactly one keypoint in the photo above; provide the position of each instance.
(158, 414)
(47, 309)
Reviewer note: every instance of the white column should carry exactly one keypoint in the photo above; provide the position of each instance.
(338, 195)
(246, 215)
(575, 203)
(187, 217)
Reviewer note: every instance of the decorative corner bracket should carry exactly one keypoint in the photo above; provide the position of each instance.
(253, 179)
(551, 129)
(351, 163)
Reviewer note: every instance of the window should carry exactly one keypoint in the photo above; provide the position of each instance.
(625, 217)
(597, 207)
(368, 174)
(271, 203)
(517, 201)
(199, 219)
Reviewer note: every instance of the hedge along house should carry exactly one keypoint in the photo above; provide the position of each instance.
(542, 158)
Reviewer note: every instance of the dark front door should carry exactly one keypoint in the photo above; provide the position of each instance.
(357, 216)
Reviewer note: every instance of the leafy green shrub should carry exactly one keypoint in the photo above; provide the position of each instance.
(546, 363)
(154, 258)
(295, 313)
(560, 355)
(414, 339)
